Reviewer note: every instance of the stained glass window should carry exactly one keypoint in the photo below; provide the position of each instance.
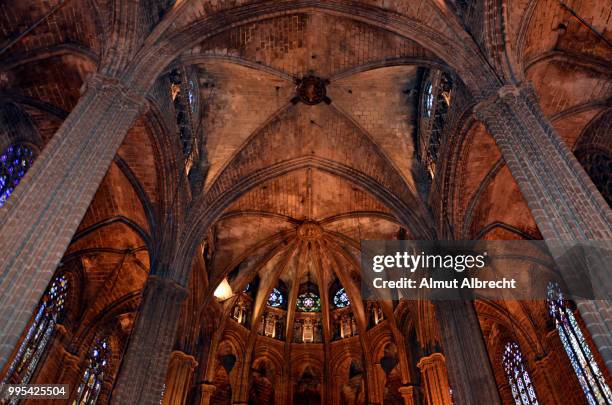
(93, 376)
(589, 375)
(161, 398)
(518, 377)
(341, 300)
(192, 96)
(14, 163)
(276, 298)
(428, 99)
(309, 302)
(39, 334)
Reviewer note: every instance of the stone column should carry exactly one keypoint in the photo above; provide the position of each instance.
(206, 392)
(40, 218)
(564, 201)
(434, 378)
(467, 360)
(410, 394)
(143, 371)
(178, 380)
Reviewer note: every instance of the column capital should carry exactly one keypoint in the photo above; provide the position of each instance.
(100, 80)
(434, 379)
(206, 392)
(508, 90)
(167, 286)
(431, 360)
(407, 390)
(409, 393)
(179, 377)
(128, 97)
(183, 357)
(504, 94)
(208, 388)
(486, 105)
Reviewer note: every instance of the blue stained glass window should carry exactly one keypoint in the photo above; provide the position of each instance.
(518, 377)
(589, 375)
(276, 298)
(39, 334)
(14, 163)
(428, 99)
(309, 302)
(192, 96)
(94, 374)
(341, 300)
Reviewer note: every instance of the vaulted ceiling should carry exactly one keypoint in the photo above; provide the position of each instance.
(359, 139)
(248, 80)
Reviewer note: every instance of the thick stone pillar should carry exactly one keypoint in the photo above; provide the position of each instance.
(178, 380)
(206, 392)
(467, 360)
(434, 379)
(40, 218)
(410, 394)
(143, 371)
(564, 201)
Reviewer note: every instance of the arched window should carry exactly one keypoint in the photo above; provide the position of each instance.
(341, 300)
(518, 377)
(48, 314)
(192, 96)
(14, 163)
(428, 99)
(276, 298)
(309, 302)
(161, 397)
(590, 377)
(93, 376)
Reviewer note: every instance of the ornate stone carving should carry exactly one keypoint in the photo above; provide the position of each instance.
(309, 231)
(434, 378)
(311, 90)
(409, 394)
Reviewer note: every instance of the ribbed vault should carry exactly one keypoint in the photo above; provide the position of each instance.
(299, 233)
